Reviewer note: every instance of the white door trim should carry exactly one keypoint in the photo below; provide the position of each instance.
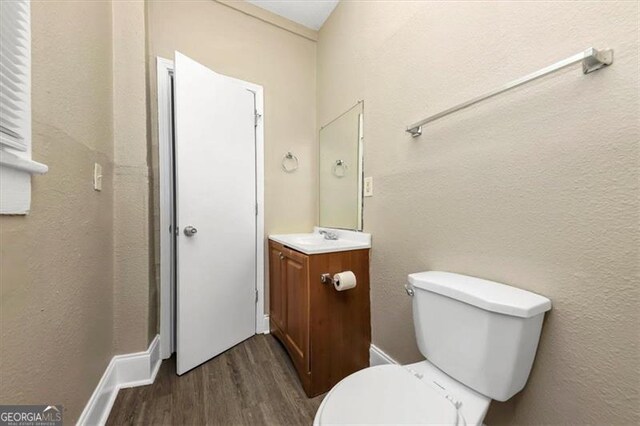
(167, 306)
(167, 297)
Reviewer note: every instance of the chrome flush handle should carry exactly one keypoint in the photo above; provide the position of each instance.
(409, 289)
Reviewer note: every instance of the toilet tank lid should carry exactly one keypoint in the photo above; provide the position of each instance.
(484, 294)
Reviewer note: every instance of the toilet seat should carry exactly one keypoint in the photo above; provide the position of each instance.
(387, 394)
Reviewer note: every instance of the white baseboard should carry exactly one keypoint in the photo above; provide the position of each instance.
(124, 371)
(265, 325)
(378, 357)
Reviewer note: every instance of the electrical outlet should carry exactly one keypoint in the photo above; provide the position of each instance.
(368, 186)
(97, 177)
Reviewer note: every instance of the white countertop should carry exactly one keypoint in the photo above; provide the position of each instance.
(315, 243)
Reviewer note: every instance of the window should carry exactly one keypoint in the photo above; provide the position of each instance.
(16, 165)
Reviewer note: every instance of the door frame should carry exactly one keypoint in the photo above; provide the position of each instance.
(164, 70)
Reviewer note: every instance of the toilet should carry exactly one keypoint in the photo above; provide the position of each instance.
(479, 339)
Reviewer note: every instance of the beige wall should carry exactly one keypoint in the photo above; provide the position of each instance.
(239, 45)
(75, 271)
(134, 305)
(56, 264)
(537, 188)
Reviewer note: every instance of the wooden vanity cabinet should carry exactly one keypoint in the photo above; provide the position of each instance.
(327, 333)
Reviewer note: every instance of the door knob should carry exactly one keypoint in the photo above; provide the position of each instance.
(190, 231)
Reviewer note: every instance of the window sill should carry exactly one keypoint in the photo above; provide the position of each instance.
(10, 160)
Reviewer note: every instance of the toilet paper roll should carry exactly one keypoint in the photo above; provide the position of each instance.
(344, 280)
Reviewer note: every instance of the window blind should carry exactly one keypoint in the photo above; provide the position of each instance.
(15, 61)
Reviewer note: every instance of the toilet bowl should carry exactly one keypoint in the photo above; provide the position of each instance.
(392, 394)
(479, 338)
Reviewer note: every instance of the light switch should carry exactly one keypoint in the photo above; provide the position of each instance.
(97, 177)
(368, 186)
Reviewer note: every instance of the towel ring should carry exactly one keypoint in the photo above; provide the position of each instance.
(288, 158)
(339, 169)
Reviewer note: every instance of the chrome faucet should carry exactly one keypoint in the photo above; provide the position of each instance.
(328, 235)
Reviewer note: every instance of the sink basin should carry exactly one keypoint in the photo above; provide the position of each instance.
(308, 239)
(315, 243)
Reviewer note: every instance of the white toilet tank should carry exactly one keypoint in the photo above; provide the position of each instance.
(481, 333)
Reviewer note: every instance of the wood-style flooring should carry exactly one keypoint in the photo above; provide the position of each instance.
(253, 383)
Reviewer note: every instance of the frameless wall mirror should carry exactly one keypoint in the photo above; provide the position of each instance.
(341, 170)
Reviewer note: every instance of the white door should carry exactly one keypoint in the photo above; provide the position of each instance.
(216, 199)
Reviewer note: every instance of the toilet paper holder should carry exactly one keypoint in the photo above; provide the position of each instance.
(327, 279)
(345, 280)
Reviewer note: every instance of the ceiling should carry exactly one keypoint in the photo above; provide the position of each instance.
(310, 13)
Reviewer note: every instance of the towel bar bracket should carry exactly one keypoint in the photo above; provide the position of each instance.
(415, 131)
(597, 60)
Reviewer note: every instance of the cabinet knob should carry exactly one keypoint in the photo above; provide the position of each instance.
(281, 256)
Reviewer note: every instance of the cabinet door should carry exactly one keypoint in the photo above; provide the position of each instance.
(277, 294)
(297, 308)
